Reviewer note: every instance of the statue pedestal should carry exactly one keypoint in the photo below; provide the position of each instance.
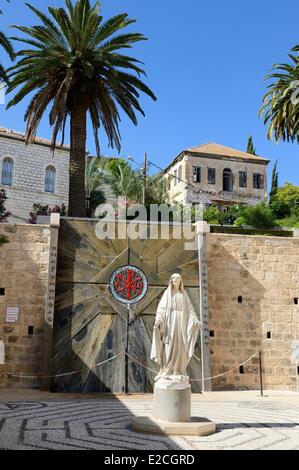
(172, 412)
(172, 401)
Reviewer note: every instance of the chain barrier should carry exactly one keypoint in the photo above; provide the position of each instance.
(67, 373)
(228, 372)
(132, 359)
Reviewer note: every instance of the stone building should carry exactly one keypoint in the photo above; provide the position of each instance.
(213, 174)
(32, 174)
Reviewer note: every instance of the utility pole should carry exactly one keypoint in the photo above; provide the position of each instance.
(145, 178)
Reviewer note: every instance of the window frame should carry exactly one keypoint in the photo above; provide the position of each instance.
(228, 175)
(180, 173)
(243, 173)
(213, 170)
(175, 177)
(11, 173)
(53, 183)
(258, 181)
(196, 174)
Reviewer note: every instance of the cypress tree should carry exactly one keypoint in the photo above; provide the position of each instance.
(274, 182)
(250, 146)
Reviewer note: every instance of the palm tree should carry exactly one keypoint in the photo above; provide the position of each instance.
(281, 103)
(7, 46)
(75, 67)
(95, 179)
(95, 173)
(157, 189)
(124, 181)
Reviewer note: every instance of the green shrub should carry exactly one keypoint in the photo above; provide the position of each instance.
(280, 209)
(259, 216)
(3, 239)
(292, 221)
(240, 221)
(4, 214)
(212, 215)
(252, 231)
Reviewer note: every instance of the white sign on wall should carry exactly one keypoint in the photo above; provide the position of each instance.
(12, 314)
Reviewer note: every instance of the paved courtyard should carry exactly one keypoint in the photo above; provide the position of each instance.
(35, 420)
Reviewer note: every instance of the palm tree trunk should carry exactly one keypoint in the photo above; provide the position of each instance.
(77, 195)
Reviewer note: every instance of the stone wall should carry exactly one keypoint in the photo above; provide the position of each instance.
(30, 163)
(24, 266)
(253, 286)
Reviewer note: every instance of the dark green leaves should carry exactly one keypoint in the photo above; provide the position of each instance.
(281, 102)
(74, 55)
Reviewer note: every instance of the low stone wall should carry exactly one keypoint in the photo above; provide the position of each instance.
(24, 267)
(253, 286)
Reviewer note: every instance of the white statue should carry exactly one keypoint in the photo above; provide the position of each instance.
(175, 332)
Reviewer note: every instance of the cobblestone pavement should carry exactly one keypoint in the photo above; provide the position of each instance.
(244, 423)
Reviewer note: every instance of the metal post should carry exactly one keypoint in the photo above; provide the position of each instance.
(202, 228)
(200, 245)
(145, 179)
(127, 351)
(261, 372)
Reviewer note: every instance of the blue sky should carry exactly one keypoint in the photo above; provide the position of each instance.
(205, 62)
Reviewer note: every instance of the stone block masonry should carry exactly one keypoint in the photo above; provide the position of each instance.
(253, 298)
(24, 267)
(28, 175)
(253, 286)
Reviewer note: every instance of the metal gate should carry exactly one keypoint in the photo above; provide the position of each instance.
(90, 326)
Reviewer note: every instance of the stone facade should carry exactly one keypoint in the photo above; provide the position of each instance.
(253, 290)
(218, 158)
(24, 268)
(28, 180)
(253, 298)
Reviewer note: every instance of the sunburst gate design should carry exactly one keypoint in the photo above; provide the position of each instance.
(128, 285)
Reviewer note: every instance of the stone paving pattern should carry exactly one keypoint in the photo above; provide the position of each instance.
(103, 424)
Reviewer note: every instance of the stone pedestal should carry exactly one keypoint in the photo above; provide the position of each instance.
(172, 412)
(195, 427)
(172, 401)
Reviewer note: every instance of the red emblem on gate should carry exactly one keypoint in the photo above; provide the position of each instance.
(128, 284)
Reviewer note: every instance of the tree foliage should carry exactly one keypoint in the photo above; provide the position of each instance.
(259, 216)
(74, 54)
(6, 44)
(281, 103)
(74, 65)
(274, 181)
(250, 146)
(4, 214)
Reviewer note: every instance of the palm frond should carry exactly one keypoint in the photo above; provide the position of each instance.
(74, 54)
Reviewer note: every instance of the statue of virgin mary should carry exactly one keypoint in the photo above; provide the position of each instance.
(175, 332)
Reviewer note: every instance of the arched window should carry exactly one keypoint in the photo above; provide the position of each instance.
(227, 180)
(50, 179)
(2, 353)
(7, 171)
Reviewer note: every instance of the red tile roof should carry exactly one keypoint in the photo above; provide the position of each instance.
(4, 132)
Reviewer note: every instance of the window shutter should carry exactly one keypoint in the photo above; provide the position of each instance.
(50, 179)
(7, 172)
